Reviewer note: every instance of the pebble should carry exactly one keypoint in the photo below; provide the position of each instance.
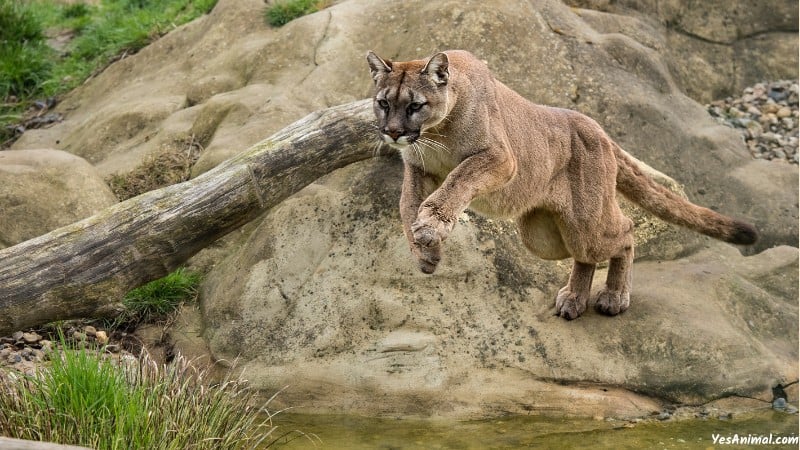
(779, 403)
(31, 338)
(767, 116)
(102, 337)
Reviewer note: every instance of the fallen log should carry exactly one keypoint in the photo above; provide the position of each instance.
(84, 269)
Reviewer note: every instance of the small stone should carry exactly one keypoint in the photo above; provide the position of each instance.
(742, 122)
(4, 353)
(770, 137)
(78, 336)
(777, 93)
(770, 108)
(664, 415)
(779, 403)
(90, 330)
(14, 358)
(17, 335)
(37, 355)
(46, 345)
(102, 337)
(31, 338)
(784, 112)
(753, 111)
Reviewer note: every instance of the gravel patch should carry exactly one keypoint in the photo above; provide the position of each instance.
(26, 352)
(766, 115)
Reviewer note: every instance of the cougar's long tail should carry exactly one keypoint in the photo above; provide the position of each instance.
(663, 203)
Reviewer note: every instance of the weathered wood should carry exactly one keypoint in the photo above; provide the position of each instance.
(19, 444)
(81, 269)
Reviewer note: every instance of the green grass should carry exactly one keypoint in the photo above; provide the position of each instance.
(102, 33)
(25, 59)
(158, 299)
(284, 11)
(84, 399)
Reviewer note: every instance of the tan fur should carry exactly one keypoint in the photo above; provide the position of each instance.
(467, 140)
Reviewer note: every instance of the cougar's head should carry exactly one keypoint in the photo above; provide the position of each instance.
(410, 97)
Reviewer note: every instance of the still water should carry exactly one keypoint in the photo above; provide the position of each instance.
(350, 432)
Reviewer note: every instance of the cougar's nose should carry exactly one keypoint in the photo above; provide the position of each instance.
(393, 133)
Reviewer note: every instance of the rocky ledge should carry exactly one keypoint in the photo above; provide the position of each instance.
(767, 116)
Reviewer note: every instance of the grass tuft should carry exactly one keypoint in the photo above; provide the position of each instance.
(284, 11)
(157, 300)
(86, 399)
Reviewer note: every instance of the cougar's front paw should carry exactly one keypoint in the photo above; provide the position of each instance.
(425, 235)
(612, 302)
(429, 230)
(570, 305)
(427, 257)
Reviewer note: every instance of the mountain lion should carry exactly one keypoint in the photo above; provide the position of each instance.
(467, 140)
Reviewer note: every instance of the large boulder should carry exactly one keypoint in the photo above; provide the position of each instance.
(41, 190)
(714, 48)
(321, 293)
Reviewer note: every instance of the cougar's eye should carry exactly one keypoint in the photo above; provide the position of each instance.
(415, 106)
(383, 104)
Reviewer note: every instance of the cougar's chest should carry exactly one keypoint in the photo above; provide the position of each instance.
(431, 159)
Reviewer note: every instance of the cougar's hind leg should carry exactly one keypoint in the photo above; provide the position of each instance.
(540, 232)
(615, 297)
(572, 299)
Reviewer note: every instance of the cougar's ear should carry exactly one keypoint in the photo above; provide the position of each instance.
(378, 66)
(437, 68)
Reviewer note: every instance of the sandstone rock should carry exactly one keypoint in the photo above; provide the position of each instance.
(713, 48)
(344, 314)
(45, 189)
